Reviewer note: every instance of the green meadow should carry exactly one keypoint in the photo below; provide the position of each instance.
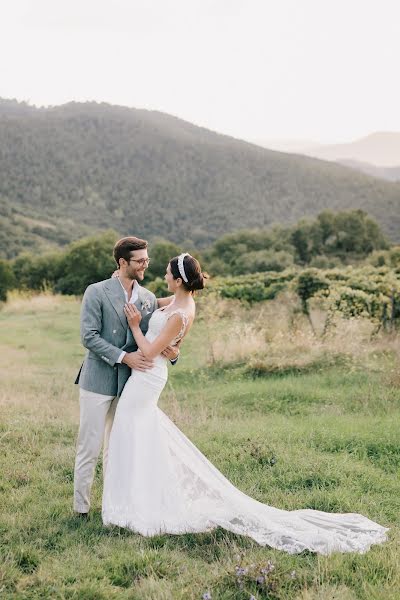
(291, 418)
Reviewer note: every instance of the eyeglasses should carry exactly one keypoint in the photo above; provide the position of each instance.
(141, 261)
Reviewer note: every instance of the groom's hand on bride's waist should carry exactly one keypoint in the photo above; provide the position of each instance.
(137, 361)
(171, 352)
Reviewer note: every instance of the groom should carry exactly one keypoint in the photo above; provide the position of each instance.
(112, 353)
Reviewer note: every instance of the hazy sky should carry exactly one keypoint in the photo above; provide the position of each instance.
(323, 70)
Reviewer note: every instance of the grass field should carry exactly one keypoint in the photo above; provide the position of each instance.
(318, 429)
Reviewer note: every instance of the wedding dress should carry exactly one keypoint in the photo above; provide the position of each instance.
(158, 482)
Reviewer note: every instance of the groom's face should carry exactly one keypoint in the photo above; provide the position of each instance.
(137, 265)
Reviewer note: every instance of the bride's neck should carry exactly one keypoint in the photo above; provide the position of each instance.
(182, 295)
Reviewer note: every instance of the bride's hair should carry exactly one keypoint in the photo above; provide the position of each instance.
(195, 278)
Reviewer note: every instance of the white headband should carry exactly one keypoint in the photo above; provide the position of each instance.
(180, 266)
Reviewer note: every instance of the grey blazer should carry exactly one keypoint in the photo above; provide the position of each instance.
(105, 333)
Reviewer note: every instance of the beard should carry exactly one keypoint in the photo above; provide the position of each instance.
(135, 274)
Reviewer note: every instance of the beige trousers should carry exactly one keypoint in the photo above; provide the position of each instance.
(96, 419)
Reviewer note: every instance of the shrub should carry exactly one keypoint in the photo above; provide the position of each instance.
(37, 272)
(159, 287)
(308, 284)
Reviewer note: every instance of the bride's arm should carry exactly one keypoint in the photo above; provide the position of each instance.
(164, 301)
(167, 335)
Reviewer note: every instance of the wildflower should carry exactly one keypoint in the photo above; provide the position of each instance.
(260, 580)
(207, 596)
(240, 571)
(270, 567)
(252, 597)
(293, 574)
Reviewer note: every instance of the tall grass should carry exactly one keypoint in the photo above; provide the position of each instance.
(276, 336)
(315, 424)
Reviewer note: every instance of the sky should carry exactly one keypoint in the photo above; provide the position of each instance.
(317, 70)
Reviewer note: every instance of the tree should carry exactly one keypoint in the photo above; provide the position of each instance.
(300, 239)
(87, 261)
(37, 272)
(161, 253)
(6, 279)
(264, 260)
(356, 234)
(240, 252)
(326, 222)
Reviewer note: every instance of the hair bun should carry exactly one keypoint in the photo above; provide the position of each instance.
(198, 282)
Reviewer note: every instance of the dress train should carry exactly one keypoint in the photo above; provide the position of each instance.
(158, 482)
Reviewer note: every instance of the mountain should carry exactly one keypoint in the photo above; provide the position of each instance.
(389, 173)
(290, 146)
(69, 170)
(381, 149)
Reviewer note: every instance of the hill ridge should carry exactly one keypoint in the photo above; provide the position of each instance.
(82, 167)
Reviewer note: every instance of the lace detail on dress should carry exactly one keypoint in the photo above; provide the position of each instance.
(185, 321)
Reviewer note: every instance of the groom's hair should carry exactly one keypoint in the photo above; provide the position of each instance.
(126, 245)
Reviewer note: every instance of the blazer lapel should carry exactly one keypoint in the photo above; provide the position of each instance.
(116, 296)
(139, 304)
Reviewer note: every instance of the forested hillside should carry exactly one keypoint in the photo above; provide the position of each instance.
(70, 170)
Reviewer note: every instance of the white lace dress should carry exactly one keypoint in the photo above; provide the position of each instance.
(158, 482)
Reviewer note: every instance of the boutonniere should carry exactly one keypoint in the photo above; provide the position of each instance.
(146, 306)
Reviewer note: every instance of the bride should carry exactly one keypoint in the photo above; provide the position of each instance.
(158, 482)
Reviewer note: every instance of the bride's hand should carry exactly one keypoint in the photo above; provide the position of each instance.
(132, 314)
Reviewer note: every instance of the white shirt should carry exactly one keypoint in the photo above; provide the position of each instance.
(135, 291)
(132, 300)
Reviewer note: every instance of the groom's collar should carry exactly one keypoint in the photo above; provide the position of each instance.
(135, 289)
(115, 292)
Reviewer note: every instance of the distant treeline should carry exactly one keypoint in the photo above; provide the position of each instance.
(330, 240)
